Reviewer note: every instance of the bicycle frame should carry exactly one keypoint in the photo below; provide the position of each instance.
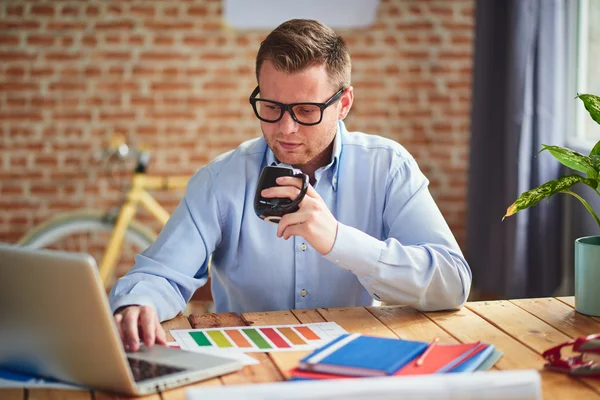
(137, 194)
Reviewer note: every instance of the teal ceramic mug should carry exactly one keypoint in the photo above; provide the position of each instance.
(587, 275)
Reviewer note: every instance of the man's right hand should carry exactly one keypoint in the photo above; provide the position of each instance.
(137, 323)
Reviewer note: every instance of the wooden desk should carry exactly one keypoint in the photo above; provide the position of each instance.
(522, 329)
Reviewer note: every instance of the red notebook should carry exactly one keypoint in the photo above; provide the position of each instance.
(301, 374)
(439, 356)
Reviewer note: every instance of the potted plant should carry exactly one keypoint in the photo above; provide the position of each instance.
(587, 249)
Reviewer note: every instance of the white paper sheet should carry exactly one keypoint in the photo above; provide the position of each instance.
(274, 338)
(493, 385)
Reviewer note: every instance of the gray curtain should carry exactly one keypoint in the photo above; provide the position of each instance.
(519, 102)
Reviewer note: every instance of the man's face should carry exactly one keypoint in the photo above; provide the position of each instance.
(291, 142)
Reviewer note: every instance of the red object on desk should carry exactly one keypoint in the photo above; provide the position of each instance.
(440, 356)
(577, 365)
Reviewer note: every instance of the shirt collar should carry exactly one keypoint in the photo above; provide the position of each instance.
(335, 156)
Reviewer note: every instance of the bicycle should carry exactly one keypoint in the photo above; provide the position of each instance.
(65, 230)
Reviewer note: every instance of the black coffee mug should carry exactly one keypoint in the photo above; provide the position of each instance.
(272, 209)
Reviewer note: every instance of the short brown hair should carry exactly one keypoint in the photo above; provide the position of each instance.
(301, 43)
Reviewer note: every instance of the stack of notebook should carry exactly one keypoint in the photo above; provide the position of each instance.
(356, 355)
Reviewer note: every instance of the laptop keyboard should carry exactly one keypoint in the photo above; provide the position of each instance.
(143, 370)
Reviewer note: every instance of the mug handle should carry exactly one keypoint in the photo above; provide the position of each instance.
(300, 197)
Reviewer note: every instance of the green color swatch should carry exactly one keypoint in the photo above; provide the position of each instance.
(200, 339)
(257, 338)
(219, 338)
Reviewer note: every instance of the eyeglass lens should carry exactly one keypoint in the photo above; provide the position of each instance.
(306, 113)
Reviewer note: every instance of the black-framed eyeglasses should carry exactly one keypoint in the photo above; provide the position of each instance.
(303, 113)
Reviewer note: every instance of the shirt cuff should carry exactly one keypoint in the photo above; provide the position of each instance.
(355, 251)
(131, 300)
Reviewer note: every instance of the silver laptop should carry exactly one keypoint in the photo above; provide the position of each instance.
(55, 322)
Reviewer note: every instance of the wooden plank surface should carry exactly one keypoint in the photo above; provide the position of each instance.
(357, 319)
(52, 394)
(408, 323)
(568, 300)
(534, 333)
(560, 315)
(467, 326)
(110, 396)
(521, 329)
(12, 394)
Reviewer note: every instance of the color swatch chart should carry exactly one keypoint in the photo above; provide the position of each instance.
(259, 338)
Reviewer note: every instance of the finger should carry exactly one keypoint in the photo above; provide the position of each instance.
(297, 183)
(289, 181)
(130, 328)
(119, 321)
(293, 230)
(161, 336)
(281, 191)
(287, 220)
(146, 322)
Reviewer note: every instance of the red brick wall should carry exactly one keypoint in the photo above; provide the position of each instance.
(169, 75)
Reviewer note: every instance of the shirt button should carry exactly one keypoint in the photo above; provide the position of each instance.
(303, 293)
(303, 247)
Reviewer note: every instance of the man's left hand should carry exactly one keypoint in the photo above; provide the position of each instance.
(313, 221)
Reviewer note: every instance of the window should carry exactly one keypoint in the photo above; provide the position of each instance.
(587, 37)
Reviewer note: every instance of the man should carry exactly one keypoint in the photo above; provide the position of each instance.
(367, 230)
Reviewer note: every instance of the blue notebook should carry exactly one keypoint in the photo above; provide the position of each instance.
(362, 355)
(473, 363)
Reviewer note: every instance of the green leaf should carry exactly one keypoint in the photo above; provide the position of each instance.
(572, 159)
(595, 161)
(548, 189)
(596, 149)
(592, 104)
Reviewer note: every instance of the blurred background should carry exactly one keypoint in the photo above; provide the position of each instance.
(454, 81)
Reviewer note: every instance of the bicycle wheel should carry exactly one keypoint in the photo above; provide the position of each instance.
(89, 232)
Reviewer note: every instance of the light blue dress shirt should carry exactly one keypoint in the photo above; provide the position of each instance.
(392, 245)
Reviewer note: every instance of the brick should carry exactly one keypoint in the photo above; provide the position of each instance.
(142, 11)
(166, 86)
(63, 56)
(195, 40)
(112, 56)
(42, 10)
(17, 10)
(122, 25)
(89, 40)
(171, 11)
(92, 10)
(66, 26)
(16, 56)
(15, 72)
(117, 86)
(136, 40)
(18, 25)
(15, 102)
(20, 116)
(40, 40)
(164, 41)
(9, 40)
(161, 26)
(72, 116)
(69, 11)
(66, 86)
(117, 116)
(164, 56)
